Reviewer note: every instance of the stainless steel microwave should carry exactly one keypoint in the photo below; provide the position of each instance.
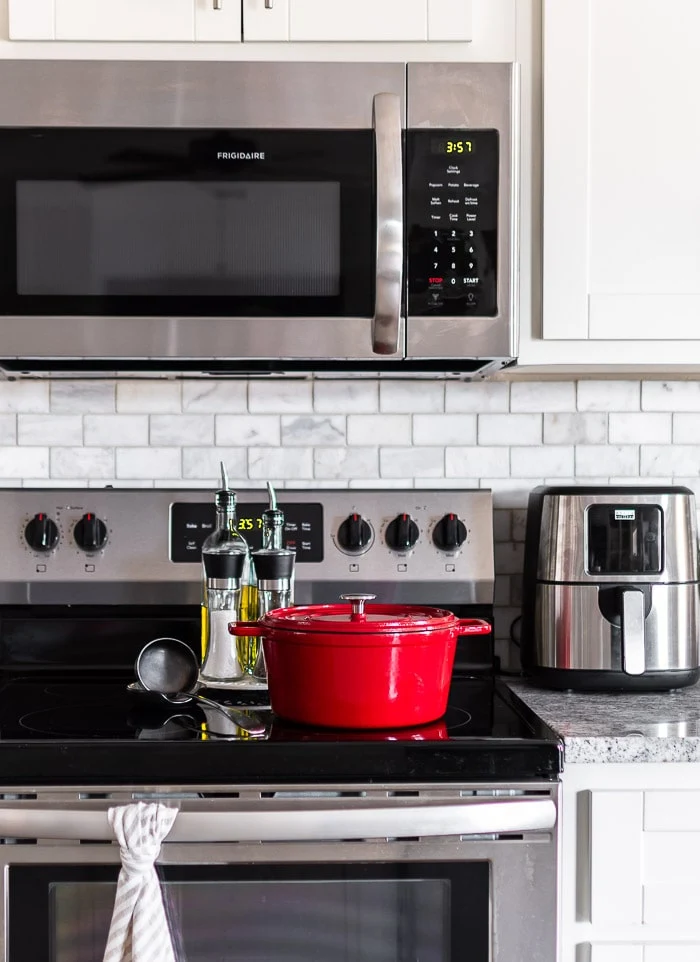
(252, 218)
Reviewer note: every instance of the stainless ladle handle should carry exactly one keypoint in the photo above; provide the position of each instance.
(247, 723)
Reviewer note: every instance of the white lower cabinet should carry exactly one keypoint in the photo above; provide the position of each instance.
(125, 20)
(630, 863)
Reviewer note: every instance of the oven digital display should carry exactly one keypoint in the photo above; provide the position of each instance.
(191, 523)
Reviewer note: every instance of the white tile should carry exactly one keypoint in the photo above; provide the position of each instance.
(407, 397)
(508, 558)
(408, 462)
(384, 429)
(501, 593)
(8, 428)
(477, 462)
(510, 492)
(605, 459)
(149, 397)
(245, 429)
(311, 429)
(26, 397)
(181, 429)
(476, 396)
(315, 484)
(24, 462)
(208, 484)
(116, 429)
(394, 484)
(49, 429)
(502, 525)
(646, 481)
(608, 395)
(360, 462)
(119, 483)
(519, 524)
(82, 463)
(686, 428)
(50, 483)
(671, 396)
(206, 463)
(346, 397)
(82, 397)
(679, 460)
(540, 396)
(288, 463)
(503, 618)
(280, 397)
(575, 428)
(635, 428)
(214, 397)
(516, 590)
(510, 429)
(444, 429)
(556, 461)
(449, 484)
(149, 463)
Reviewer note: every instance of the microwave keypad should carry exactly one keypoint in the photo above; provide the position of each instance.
(452, 222)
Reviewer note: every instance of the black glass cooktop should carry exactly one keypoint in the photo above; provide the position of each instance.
(83, 730)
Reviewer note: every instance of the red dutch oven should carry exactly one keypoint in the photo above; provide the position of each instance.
(351, 666)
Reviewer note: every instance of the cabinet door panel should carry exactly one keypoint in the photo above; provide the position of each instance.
(622, 197)
(617, 952)
(31, 19)
(125, 20)
(358, 20)
(616, 857)
(223, 25)
(263, 23)
(690, 952)
(449, 20)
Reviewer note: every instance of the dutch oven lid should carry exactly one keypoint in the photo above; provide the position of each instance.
(355, 618)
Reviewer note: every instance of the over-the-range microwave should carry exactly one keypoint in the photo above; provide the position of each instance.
(250, 218)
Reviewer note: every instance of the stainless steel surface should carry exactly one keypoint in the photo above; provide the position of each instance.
(390, 233)
(218, 5)
(168, 667)
(93, 93)
(632, 632)
(357, 602)
(563, 538)
(462, 96)
(522, 865)
(134, 567)
(269, 4)
(570, 631)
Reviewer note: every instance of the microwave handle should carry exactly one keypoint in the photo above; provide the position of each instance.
(387, 302)
(290, 823)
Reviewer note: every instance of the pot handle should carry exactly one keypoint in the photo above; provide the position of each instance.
(245, 629)
(473, 626)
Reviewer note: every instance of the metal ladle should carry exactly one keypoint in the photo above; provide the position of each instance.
(168, 667)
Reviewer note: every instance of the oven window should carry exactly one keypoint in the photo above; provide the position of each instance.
(187, 222)
(278, 913)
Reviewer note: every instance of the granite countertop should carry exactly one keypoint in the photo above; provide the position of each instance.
(619, 727)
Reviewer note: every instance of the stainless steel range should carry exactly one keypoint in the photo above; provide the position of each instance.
(435, 842)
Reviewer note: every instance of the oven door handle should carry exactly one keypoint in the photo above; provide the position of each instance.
(290, 822)
(389, 166)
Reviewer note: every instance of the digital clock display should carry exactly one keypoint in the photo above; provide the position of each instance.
(453, 148)
(191, 523)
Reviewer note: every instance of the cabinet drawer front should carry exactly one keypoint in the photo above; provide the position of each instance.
(31, 19)
(613, 952)
(168, 20)
(689, 952)
(672, 811)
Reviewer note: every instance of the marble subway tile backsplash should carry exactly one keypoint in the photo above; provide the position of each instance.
(357, 433)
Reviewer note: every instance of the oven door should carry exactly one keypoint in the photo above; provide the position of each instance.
(396, 874)
(202, 211)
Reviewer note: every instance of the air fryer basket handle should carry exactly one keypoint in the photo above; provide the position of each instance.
(633, 657)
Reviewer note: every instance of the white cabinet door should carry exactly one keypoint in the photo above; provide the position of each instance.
(125, 20)
(616, 952)
(357, 20)
(621, 161)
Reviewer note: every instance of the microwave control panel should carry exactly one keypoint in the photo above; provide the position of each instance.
(452, 222)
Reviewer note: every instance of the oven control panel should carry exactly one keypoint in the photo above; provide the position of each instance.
(452, 222)
(109, 545)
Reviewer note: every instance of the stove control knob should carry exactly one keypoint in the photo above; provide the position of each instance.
(41, 533)
(90, 533)
(449, 533)
(402, 533)
(354, 534)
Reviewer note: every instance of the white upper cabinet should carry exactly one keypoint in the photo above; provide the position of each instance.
(621, 161)
(357, 20)
(125, 20)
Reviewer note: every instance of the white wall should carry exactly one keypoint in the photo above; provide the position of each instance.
(507, 437)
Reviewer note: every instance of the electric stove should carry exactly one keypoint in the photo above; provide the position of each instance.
(73, 617)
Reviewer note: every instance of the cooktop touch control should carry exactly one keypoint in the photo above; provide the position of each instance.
(452, 222)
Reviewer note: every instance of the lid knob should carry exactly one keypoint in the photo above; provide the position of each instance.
(357, 603)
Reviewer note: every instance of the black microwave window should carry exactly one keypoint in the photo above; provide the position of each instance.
(191, 239)
(625, 539)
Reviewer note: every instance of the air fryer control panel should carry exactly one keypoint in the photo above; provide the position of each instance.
(452, 222)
